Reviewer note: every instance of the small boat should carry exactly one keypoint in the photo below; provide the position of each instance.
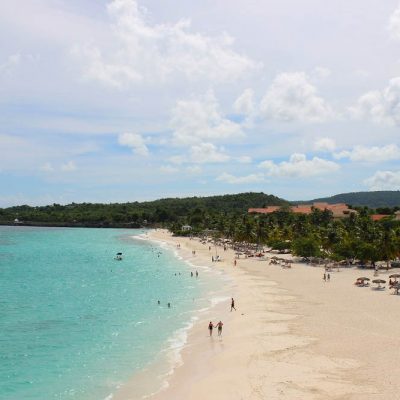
(118, 257)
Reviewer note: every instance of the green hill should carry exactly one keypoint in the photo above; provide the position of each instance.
(136, 213)
(386, 198)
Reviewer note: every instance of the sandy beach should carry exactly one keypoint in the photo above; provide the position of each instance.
(293, 336)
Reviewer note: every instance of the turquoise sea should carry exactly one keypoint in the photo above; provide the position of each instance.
(74, 322)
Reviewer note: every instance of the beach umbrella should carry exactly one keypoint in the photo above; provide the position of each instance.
(378, 281)
(361, 281)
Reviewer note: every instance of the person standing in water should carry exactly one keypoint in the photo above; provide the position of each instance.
(219, 326)
(233, 305)
(197, 274)
(210, 327)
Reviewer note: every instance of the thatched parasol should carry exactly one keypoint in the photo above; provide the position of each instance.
(379, 282)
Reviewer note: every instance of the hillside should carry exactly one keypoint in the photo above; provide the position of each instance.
(376, 199)
(134, 214)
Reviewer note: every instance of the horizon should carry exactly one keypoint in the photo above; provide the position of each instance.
(196, 196)
(122, 100)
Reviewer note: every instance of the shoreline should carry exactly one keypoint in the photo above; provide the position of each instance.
(293, 336)
(155, 376)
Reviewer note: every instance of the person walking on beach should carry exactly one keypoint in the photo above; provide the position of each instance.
(328, 277)
(219, 326)
(234, 263)
(210, 327)
(324, 278)
(233, 305)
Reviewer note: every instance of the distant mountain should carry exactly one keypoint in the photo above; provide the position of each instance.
(384, 198)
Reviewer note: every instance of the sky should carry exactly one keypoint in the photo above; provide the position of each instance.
(124, 100)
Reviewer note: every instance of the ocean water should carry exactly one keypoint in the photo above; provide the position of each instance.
(74, 322)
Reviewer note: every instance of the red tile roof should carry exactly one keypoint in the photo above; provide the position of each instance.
(378, 217)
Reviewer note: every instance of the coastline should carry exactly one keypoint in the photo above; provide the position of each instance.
(154, 377)
(292, 336)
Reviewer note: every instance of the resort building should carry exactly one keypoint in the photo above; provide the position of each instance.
(339, 210)
(378, 217)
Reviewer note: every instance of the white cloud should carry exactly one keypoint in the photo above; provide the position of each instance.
(292, 97)
(168, 169)
(70, 166)
(381, 106)
(141, 51)
(244, 159)
(196, 120)
(207, 153)
(11, 62)
(325, 144)
(394, 24)
(245, 103)
(47, 167)
(235, 180)
(135, 142)
(203, 153)
(371, 154)
(299, 166)
(178, 160)
(194, 169)
(362, 73)
(321, 72)
(384, 180)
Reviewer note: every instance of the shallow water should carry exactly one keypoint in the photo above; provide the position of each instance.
(74, 322)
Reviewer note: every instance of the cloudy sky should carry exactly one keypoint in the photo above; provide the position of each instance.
(123, 100)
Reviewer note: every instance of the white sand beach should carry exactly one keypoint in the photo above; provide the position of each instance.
(293, 335)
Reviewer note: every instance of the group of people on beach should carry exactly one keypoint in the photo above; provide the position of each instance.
(220, 324)
(327, 277)
(197, 274)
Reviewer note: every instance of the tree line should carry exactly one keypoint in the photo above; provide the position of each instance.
(318, 234)
(135, 214)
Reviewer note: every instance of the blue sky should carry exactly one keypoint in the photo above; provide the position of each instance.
(124, 100)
